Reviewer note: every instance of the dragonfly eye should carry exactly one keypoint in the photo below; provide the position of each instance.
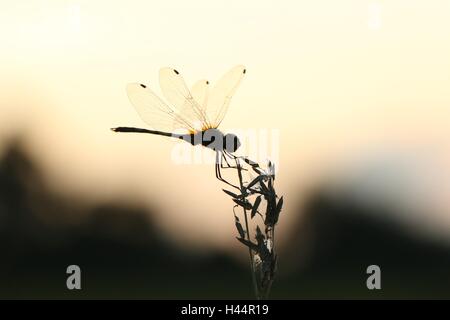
(231, 142)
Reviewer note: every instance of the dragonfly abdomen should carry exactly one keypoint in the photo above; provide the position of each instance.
(211, 138)
(139, 130)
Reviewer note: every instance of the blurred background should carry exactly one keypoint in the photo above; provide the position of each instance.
(358, 91)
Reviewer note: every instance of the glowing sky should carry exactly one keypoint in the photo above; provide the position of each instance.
(339, 80)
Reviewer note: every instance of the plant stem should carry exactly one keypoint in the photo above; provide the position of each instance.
(252, 267)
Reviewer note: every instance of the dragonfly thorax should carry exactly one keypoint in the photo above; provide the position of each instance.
(231, 142)
(216, 140)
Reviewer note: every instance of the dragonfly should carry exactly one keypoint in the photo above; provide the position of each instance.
(192, 115)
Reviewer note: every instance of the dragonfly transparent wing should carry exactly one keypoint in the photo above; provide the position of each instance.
(155, 112)
(177, 93)
(219, 100)
(200, 92)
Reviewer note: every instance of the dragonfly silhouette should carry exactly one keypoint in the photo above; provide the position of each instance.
(198, 112)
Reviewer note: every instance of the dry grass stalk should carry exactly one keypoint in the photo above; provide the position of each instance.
(260, 205)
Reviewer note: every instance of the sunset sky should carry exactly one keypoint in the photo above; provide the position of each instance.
(349, 86)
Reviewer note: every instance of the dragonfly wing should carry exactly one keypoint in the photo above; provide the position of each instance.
(200, 92)
(222, 93)
(155, 112)
(177, 93)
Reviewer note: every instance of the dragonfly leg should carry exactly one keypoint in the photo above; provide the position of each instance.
(228, 166)
(231, 156)
(219, 175)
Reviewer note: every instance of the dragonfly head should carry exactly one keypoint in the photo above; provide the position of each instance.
(231, 142)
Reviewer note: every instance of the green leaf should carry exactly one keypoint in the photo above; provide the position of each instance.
(273, 218)
(249, 244)
(259, 236)
(279, 205)
(239, 227)
(262, 250)
(270, 185)
(255, 206)
(258, 171)
(264, 188)
(251, 162)
(255, 181)
(245, 204)
(230, 193)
